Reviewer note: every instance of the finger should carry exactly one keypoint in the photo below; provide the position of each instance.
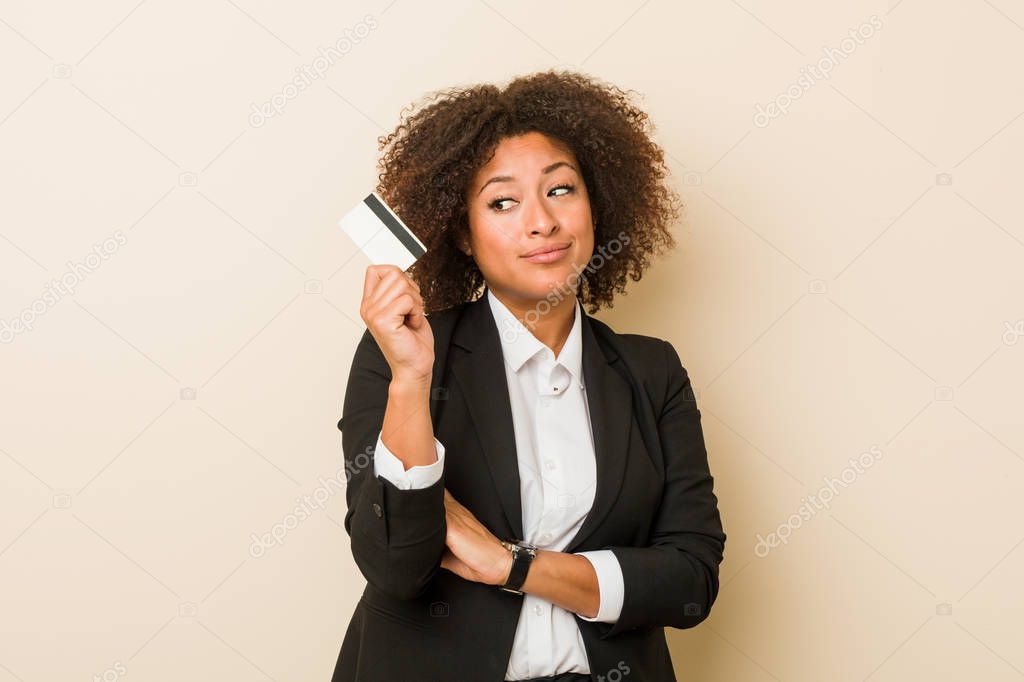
(387, 276)
(413, 280)
(370, 279)
(454, 505)
(417, 319)
(400, 308)
(373, 287)
(416, 316)
(391, 287)
(458, 567)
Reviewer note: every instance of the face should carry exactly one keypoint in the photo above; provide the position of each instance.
(530, 196)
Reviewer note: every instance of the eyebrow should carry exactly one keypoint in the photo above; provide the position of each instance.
(544, 171)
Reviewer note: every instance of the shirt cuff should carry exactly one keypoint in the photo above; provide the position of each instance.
(610, 585)
(388, 466)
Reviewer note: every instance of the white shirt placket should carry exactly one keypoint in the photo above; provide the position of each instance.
(551, 383)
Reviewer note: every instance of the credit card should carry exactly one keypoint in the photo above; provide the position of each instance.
(381, 234)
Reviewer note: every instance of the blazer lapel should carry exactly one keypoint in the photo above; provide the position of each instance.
(610, 402)
(481, 374)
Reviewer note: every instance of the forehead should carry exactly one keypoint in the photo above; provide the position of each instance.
(527, 152)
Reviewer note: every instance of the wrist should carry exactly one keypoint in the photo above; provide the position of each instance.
(522, 555)
(409, 387)
(504, 566)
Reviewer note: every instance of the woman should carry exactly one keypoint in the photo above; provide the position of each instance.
(529, 495)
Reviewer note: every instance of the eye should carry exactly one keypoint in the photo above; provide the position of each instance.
(494, 204)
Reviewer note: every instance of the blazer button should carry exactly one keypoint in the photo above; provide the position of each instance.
(377, 510)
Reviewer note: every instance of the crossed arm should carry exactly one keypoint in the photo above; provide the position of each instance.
(474, 553)
(571, 581)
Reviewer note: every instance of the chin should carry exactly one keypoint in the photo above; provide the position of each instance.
(562, 280)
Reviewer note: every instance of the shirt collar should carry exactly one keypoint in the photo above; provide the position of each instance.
(519, 344)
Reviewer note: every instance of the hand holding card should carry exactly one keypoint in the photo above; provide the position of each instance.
(392, 307)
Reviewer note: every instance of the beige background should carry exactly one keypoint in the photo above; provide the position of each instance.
(849, 277)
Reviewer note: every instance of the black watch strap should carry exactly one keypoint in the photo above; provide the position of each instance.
(522, 556)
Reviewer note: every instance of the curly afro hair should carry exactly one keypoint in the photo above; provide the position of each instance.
(431, 157)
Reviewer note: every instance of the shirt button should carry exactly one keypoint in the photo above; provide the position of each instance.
(538, 609)
(377, 510)
(546, 538)
(550, 463)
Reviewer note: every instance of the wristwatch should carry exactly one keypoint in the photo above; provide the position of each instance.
(522, 555)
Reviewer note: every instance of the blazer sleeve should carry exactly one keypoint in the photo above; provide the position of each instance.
(397, 536)
(673, 581)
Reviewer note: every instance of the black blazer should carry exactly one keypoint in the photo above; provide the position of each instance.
(654, 507)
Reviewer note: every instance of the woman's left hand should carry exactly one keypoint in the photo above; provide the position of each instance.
(472, 551)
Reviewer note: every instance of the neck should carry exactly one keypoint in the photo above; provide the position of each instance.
(551, 327)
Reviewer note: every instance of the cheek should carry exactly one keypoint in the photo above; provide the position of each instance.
(586, 229)
(492, 249)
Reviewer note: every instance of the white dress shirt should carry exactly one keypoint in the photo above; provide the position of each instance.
(557, 475)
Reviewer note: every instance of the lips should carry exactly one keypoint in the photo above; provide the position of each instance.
(547, 249)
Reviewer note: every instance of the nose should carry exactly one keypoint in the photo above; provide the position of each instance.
(540, 220)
